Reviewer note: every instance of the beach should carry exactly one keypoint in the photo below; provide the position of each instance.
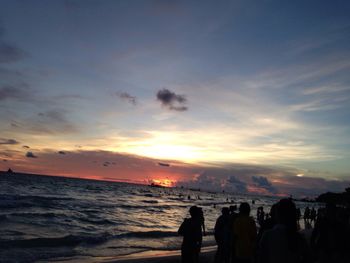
(206, 255)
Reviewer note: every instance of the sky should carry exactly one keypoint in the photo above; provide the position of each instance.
(243, 96)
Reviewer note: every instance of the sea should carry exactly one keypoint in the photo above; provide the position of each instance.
(50, 218)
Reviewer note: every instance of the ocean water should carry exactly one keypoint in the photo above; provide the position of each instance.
(55, 218)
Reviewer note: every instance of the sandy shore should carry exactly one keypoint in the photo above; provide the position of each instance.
(206, 256)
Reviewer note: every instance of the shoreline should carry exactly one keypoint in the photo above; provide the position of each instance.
(160, 256)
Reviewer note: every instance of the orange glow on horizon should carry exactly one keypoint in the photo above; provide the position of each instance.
(164, 182)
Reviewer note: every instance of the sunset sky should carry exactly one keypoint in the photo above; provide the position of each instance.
(246, 96)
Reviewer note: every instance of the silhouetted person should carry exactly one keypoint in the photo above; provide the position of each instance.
(260, 215)
(327, 236)
(244, 229)
(307, 214)
(269, 222)
(233, 216)
(313, 215)
(298, 214)
(283, 243)
(191, 230)
(222, 236)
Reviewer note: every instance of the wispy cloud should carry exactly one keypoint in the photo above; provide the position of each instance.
(127, 97)
(8, 141)
(10, 92)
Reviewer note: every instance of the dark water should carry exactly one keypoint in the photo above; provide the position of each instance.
(50, 218)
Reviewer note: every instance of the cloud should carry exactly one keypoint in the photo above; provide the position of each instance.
(11, 92)
(127, 97)
(10, 53)
(52, 122)
(8, 141)
(171, 100)
(61, 152)
(263, 182)
(26, 146)
(237, 184)
(31, 155)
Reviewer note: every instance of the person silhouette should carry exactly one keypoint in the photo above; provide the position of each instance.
(222, 236)
(307, 214)
(244, 230)
(191, 230)
(233, 216)
(283, 243)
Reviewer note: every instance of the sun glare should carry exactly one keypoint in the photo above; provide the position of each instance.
(163, 182)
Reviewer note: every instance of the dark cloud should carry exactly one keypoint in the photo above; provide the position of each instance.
(237, 184)
(61, 152)
(263, 182)
(8, 141)
(171, 100)
(31, 155)
(12, 92)
(127, 97)
(26, 146)
(10, 53)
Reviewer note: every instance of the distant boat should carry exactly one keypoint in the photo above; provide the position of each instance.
(9, 171)
(164, 164)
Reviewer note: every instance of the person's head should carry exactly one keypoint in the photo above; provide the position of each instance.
(225, 211)
(194, 211)
(286, 212)
(244, 208)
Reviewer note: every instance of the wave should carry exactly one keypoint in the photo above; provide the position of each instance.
(150, 201)
(149, 234)
(66, 241)
(17, 201)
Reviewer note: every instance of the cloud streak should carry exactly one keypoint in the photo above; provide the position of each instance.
(8, 141)
(127, 97)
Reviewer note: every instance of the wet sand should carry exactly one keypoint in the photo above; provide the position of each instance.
(206, 256)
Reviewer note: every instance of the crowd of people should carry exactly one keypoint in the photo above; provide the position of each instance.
(277, 238)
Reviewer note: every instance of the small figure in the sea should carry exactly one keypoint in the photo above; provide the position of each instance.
(313, 215)
(307, 214)
(283, 243)
(222, 236)
(202, 219)
(260, 215)
(244, 230)
(253, 202)
(298, 214)
(191, 230)
(189, 197)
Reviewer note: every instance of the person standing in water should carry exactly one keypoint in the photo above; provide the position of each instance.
(245, 232)
(191, 230)
(222, 236)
